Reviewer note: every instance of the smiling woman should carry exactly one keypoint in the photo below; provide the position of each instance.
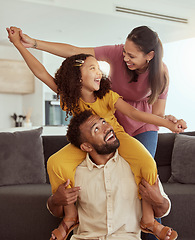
(135, 58)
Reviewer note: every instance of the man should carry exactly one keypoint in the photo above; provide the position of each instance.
(108, 203)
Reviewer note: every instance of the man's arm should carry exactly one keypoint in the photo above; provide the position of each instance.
(62, 197)
(156, 196)
(54, 209)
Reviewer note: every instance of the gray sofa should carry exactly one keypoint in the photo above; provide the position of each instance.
(23, 212)
(175, 157)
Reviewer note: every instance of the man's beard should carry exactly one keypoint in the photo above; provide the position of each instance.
(107, 148)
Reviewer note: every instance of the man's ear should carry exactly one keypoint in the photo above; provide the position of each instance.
(86, 147)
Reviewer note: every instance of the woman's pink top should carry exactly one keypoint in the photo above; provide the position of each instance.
(135, 93)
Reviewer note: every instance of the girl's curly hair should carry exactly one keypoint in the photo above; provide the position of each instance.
(67, 79)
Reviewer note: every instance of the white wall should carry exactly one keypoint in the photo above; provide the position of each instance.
(9, 103)
(18, 103)
(179, 58)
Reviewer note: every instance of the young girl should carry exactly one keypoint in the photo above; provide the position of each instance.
(80, 84)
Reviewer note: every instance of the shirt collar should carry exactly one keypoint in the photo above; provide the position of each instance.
(92, 165)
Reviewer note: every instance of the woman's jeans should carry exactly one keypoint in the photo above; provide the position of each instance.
(149, 140)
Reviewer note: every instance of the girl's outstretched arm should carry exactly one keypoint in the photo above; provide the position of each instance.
(140, 116)
(35, 66)
(59, 49)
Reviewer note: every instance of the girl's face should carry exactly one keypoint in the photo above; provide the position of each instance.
(91, 74)
(135, 58)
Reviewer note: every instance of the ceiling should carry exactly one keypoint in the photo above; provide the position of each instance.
(94, 22)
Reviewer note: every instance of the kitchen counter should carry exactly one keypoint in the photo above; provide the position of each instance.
(47, 130)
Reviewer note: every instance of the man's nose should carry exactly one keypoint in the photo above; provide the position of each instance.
(106, 128)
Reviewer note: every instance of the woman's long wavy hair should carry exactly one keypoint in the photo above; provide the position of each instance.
(147, 40)
(67, 79)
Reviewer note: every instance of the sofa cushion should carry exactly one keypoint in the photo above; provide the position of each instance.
(21, 157)
(182, 215)
(183, 164)
(24, 214)
(164, 149)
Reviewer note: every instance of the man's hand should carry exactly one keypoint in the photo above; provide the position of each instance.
(65, 196)
(152, 194)
(62, 197)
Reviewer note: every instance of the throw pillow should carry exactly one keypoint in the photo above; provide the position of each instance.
(183, 159)
(21, 158)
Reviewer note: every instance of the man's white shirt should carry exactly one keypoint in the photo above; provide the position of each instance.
(108, 203)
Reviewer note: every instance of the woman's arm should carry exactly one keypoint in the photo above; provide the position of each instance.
(158, 108)
(137, 115)
(62, 49)
(59, 49)
(35, 66)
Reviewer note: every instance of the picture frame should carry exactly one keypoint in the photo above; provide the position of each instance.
(16, 77)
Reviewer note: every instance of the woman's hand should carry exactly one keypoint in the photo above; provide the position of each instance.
(26, 41)
(171, 118)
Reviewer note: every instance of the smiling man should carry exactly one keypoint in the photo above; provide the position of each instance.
(108, 203)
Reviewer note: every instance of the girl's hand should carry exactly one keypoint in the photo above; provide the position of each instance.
(179, 126)
(14, 34)
(26, 41)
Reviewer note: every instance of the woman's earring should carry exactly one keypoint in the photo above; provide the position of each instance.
(147, 61)
(81, 80)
